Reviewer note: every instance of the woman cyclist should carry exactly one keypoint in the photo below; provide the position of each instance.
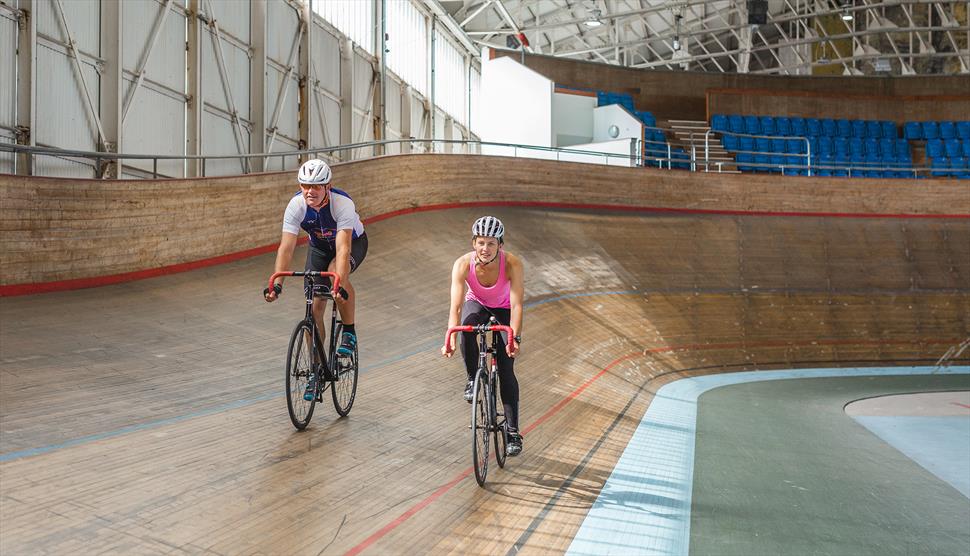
(495, 288)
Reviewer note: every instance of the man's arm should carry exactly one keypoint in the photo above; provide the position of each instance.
(341, 262)
(284, 255)
(459, 272)
(516, 293)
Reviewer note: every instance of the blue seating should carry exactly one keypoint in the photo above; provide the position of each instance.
(913, 130)
(798, 127)
(719, 122)
(783, 126)
(952, 148)
(856, 146)
(777, 161)
(871, 144)
(844, 128)
(857, 128)
(873, 129)
(940, 166)
(959, 168)
(762, 145)
(736, 123)
(814, 127)
(747, 144)
(829, 128)
(965, 147)
(742, 160)
(948, 130)
(887, 146)
(794, 146)
(825, 145)
(931, 130)
(840, 145)
(778, 146)
(762, 161)
(934, 148)
(730, 142)
(752, 125)
(902, 148)
(767, 125)
(889, 130)
(963, 130)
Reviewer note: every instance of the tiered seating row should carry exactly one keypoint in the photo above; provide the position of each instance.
(655, 141)
(838, 147)
(947, 145)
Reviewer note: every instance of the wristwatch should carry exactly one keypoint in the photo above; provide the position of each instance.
(518, 339)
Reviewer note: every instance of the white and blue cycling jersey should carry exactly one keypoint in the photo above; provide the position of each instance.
(322, 226)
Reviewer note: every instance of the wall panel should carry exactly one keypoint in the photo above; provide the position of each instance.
(156, 125)
(326, 60)
(83, 19)
(63, 114)
(8, 70)
(218, 139)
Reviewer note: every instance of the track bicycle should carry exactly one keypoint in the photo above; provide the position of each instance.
(486, 420)
(308, 359)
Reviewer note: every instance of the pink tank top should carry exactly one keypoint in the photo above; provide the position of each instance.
(495, 297)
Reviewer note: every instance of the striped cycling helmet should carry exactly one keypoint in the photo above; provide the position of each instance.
(488, 226)
(314, 172)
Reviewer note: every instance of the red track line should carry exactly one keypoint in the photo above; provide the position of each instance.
(377, 535)
(96, 281)
(961, 404)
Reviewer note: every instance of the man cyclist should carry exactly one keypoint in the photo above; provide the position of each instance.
(495, 288)
(337, 244)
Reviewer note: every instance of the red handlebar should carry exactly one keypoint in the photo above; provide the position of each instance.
(332, 275)
(479, 328)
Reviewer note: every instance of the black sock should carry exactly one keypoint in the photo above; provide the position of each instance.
(350, 328)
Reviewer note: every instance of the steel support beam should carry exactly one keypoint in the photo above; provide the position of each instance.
(305, 88)
(26, 84)
(112, 83)
(346, 96)
(195, 106)
(257, 83)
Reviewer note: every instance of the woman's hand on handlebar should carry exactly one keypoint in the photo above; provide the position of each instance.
(449, 348)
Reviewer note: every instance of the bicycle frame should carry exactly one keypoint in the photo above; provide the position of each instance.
(309, 290)
(485, 415)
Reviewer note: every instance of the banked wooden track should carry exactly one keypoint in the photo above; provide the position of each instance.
(147, 417)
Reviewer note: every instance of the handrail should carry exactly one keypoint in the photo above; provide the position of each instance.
(101, 156)
(807, 155)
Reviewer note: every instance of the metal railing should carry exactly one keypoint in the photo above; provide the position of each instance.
(662, 155)
(99, 160)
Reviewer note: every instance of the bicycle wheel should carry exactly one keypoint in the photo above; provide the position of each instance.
(344, 388)
(480, 432)
(499, 431)
(298, 371)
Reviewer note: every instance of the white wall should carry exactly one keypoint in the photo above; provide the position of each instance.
(516, 104)
(620, 147)
(572, 119)
(614, 114)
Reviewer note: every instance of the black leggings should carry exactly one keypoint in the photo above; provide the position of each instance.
(474, 313)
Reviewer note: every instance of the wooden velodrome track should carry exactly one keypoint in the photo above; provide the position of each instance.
(148, 417)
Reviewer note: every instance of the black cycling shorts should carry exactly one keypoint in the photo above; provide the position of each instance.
(320, 259)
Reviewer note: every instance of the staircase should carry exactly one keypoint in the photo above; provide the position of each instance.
(689, 134)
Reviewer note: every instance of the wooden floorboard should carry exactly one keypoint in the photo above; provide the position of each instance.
(148, 417)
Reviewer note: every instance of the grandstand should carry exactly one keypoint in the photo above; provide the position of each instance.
(745, 228)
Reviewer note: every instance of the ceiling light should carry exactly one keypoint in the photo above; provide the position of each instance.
(594, 18)
(676, 43)
(846, 16)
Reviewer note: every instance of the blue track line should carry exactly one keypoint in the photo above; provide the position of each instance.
(422, 348)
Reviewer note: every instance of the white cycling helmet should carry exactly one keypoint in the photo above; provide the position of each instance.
(315, 172)
(488, 226)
